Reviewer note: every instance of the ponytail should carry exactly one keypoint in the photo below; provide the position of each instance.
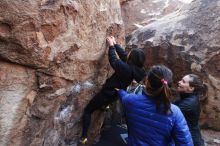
(204, 89)
(164, 98)
(158, 84)
(203, 93)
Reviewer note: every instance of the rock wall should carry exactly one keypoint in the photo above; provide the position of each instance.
(188, 41)
(138, 13)
(52, 61)
(17, 87)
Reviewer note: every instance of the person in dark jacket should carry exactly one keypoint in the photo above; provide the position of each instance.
(127, 67)
(190, 89)
(151, 118)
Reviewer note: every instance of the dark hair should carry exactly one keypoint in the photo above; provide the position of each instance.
(200, 89)
(159, 81)
(136, 57)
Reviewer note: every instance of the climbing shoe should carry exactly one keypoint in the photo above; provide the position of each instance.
(83, 140)
(107, 108)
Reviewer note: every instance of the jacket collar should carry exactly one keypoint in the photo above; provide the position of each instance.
(186, 95)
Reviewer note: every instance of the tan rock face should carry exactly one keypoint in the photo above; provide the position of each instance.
(17, 88)
(188, 42)
(138, 13)
(61, 46)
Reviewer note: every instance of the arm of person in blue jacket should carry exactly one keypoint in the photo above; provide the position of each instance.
(123, 96)
(180, 131)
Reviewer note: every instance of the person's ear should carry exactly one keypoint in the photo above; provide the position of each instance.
(191, 89)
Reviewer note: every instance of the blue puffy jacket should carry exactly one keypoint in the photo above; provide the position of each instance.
(147, 127)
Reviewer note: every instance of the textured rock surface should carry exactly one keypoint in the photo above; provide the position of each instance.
(188, 41)
(60, 49)
(138, 13)
(17, 91)
(212, 138)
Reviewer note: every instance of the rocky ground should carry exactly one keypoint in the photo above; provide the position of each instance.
(110, 135)
(212, 138)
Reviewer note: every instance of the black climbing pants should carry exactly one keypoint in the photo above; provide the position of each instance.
(103, 98)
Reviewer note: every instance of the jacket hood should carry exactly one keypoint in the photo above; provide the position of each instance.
(138, 73)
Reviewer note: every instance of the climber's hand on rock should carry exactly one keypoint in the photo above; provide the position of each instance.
(113, 39)
(110, 41)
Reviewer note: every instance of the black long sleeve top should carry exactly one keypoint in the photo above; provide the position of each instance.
(190, 107)
(124, 73)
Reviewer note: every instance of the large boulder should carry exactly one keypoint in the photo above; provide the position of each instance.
(58, 61)
(138, 13)
(188, 41)
(17, 92)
